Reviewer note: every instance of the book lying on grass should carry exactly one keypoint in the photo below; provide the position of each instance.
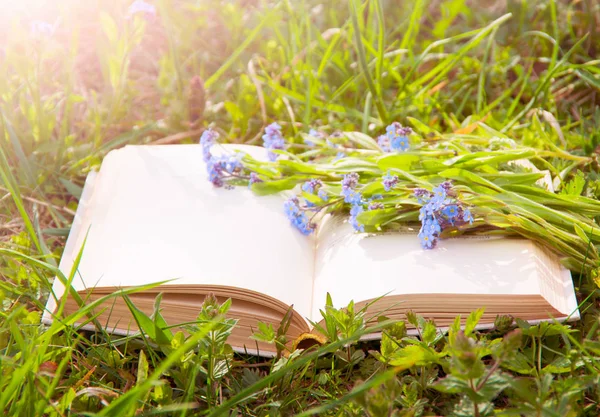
(151, 215)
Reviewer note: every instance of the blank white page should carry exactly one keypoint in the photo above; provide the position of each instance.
(164, 220)
(360, 267)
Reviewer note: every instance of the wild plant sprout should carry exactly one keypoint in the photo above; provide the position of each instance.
(442, 186)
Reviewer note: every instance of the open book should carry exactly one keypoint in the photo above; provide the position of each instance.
(151, 215)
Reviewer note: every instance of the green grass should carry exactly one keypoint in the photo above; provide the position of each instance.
(525, 70)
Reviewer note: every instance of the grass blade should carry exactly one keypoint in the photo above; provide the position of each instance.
(362, 59)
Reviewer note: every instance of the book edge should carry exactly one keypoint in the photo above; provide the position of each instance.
(83, 208)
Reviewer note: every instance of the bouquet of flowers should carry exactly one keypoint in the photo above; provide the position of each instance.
(443, 184)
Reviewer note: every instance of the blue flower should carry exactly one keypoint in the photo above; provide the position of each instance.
(216, 170)
(272, 139)
(352, 196)
(350, 180)
(291, 208)
(439, 193)
(447, 186)
(354, 212)
(467, 216)
(438, 198)
(431, 226)
(384, 143)
(140, 6)
(323, 195)
(397, 136)
(207, 140)
(427, 239)
(440, 209)
(375, 206)
(297, 217)
(399, 143)
(209, 137)
(254, 178)
(389, 181)
(315, 134)
(233, 163)
(391, 130)
(311, 185)
(303, 224)
(450, 211)
(206, 153)
(274, 129)
(431, 207)
(422, 195)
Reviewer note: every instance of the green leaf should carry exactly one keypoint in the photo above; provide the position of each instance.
(306, 137)
(390, 340)
(429, 332)
(519, 363)
(276, 186)
(452, 385)
(364, 141)
(509, 178)
(265, 333)
(142, 371)
(234, 111)
(473, 320)
(582, 234)
(423, 128)
(560, 365)
(297, 167)
(468, 177)
(144, 322)
(525, 388)
(544, 329)
(61, 231)
(73, 189)
(413, 355)
(493, 386)
(403, 161)
(161, 328)
(575, 186)
(477, 159)
(453, 330)
(376, 218)
(352, 164)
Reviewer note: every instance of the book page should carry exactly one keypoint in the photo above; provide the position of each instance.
(360, 267)
(556, 283)
(95, 198)
(165, 220)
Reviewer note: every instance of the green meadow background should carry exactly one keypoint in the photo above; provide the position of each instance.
(97, 78)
